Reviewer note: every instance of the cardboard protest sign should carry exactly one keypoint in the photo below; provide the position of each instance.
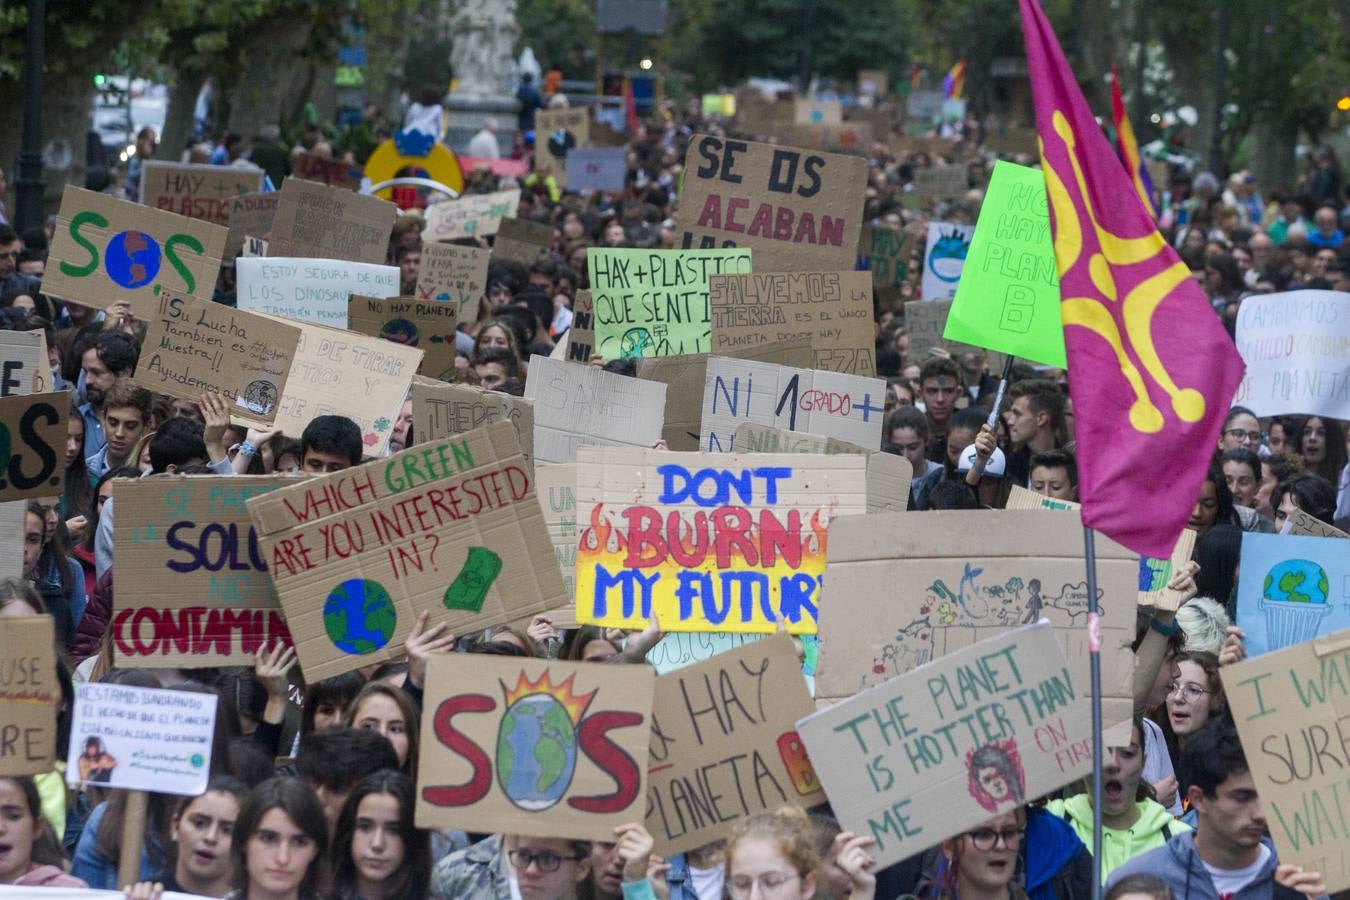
(250, 216)
(141, 739)
(832, 310)
(724, 744)
(944, 258)
(12, 519)
(872, 81)
(708, 543)
(316, 220)
(888, 474)
(29, 694)
(339, 372)
(311, 290)
(556, 487)
(888, 253)
(441, 409)
(943, 592)
(193, 346)
(799, 210)
(581, 336)
(469, 216)
(197, 191)
(847, 407)
(1300, 522)
(1292, 705)
(33, 445)
(975, 733)
(925, 321)
(521, 240)
(575, 405)
(534, 747)
(817, 112)
(313, 167)
(941, 182)
(557, 133)
(685, 376)
(1021, 498)
(195, 591)
(655, 302)
(21, 362)
(836, 137)
(1291, 589)
(1008, 295)
(1294, 348)
(450, 526)
(596, 169)
(454, 274)
(107, 250)
(428, 325)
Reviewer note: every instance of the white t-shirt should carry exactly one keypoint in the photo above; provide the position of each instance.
(1229, 881)
(1158, 763)
(707, 882)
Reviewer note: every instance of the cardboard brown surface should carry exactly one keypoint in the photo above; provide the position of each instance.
(575, 405)
(556, 487)
(317, 220)
(192, 582)
(872, 81)
(313, 167)
(724, 744)
(1162, 571)
(428, 325)
(193, 346)
(941, 182)
(470, 216)
(832, 310)
(888, 252)
(817, 112)
(1289, 707)
(521, 240)
(12, 519)
(737, 193)
(557, 132)
(441, 409)
(1021, 498)
(454, 274)
(925, 321)
(107, 249)
(851, 136)
(451, 527)
(22, 362)
(250, 216)
(581, 336)
(33, 445)
(929, 586)
(29, 695)
(979, 732)
(1301, 522)
(197, 191)
(692, 537)
(470, 772)
(888, 474)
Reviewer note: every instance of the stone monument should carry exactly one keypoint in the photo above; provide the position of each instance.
(485, 32)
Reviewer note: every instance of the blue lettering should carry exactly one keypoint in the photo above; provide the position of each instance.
(795, 596)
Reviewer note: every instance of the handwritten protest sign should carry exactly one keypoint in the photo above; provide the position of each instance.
(655, 302)
(317, 220)
(687, 648)
(817, 112)
(799, 210)
(1294, 345)
(556, 487)
(192, 346)
(925, 321)
(840, 137)
(1008, 295)
(454, 274)
(708, 542)
(557, 133)
(576, 405)
(472, 215)
(312, 290)
(192, 583)
(196, 191)
(724, 744)
(847, 407)
(106, 250)
(32, 445)
(832, 310)
(534, 747)
(1300, 522)
(580, 338)
(428, 325)
(450, 526)
(596, 169)
(441, 409)
(1292, 705)
(888, 474)
(343, 373)
(314, 167)
(250, 216)
(926, 591)
(944, 258)
(978, 732)
(521, 240)
(142, 739)
(888, 253)
(21, 362)
(941, 182)
(1291, 589)
(29, 695)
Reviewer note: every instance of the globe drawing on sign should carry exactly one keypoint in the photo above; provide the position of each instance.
(948, 256)
(359, 616)
(132, 259)
(537, 741)
(1154, 574)
(1294, 597)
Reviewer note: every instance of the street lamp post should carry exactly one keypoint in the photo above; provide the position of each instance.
(30, 208)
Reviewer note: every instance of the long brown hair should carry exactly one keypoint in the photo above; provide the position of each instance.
(412, 719)
(293, 797)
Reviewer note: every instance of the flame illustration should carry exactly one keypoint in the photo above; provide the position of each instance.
(574, 704)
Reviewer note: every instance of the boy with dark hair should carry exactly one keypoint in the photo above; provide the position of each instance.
(112, 356)
(1035, 420)
(126, 410)
(1054, 473)
(494, 366)
(408, 258)
(335, 760)
(940, 385)
(330, 444)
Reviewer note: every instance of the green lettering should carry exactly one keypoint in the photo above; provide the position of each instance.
(88, 217)
(191, 243)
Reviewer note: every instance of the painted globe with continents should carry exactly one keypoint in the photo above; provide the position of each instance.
(359, 616)
(132, 259)
(536, 752)
(1297, 581)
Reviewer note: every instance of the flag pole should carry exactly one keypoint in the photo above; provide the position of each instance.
(1095, 668)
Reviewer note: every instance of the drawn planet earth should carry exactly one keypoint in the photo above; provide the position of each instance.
(132, 259)
(359, 616)
(536, 752)
(1297, 581)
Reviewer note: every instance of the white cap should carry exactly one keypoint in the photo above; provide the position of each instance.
(997, 465)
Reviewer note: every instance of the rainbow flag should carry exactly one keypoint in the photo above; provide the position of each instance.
(1127, 148)
(1151, 369)
(954, 81)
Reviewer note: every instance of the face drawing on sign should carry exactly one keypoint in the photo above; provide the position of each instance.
(994, 775)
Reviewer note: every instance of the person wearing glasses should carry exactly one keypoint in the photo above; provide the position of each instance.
(1194, 698)
(980, 864)
(773, 856)
(1242, 429)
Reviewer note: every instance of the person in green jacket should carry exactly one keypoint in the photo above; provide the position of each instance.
(1132, 820)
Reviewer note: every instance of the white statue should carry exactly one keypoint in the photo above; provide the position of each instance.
(485, 33)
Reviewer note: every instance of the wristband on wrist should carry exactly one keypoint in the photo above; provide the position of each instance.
(1163, 628)
(247, 448)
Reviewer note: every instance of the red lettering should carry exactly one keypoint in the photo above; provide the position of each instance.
(732, 525)
(646, 547)
(734, 204)
(611, 759)
(119, 628)
(711, 217)
(762, 224)
(776, 540)
(806, 226)
(692, 554)
(831, 231)
(480, 781)
(782, 227)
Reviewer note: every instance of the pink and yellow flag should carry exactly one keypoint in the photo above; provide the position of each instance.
(1152, 370)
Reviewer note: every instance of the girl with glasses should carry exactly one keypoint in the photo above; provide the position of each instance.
(982, 863)
(773, 856)
(1194, 697)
